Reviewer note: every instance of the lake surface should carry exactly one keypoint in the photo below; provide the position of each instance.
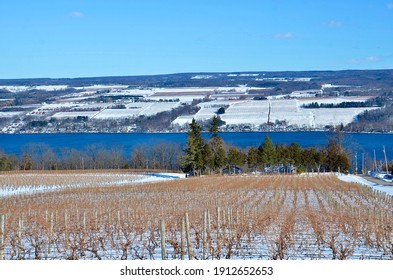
(357, 142)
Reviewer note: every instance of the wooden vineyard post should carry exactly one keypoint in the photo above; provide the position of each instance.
(163, 252)
(66, 230)
(84, 221)
(20, 225)
(50, 232)
(208, 221)
(204, 234)
(189, 245)
(229, 216)
(1, 236)
(182, 238)
(96, 220)
(209, 233)
(218, 223)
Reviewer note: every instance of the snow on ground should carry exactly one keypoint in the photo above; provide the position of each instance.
(300, 119)
(255, 112)
(9, 114)
(332, 100)
(182, 98)
(33, 183)
(183, 90)
(117, 113)
(287, 105)
(155, 108)
(102, 87)
(356, 179)
(183, 120)
(205, 113)
(201, 77)
(16, 89)
(51, 88)
(335, 116)
(66, 115)
(135, 109)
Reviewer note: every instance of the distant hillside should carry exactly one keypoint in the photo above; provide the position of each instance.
(368, 78)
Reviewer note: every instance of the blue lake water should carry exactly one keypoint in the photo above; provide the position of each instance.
(357, 142)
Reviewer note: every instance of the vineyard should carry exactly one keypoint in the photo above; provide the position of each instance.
(216, 217)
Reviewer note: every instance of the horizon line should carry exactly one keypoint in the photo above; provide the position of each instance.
(185, 73)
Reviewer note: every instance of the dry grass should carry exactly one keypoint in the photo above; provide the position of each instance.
(258, 217)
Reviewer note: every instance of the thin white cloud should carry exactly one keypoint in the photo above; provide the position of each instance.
(335, 23)
(287, 35)
(372, 58)
(77, 14)
(390, 6)
(369, 59)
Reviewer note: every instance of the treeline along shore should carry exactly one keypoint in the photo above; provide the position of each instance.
(197, 156)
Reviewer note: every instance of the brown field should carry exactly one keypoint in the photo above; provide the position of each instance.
(234, 217)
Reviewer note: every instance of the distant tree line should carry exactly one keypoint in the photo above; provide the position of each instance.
(199, 156)
(378, 120)
(374, 102)
(163, 156)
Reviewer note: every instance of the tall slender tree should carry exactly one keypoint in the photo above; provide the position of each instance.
(216, 145)
(193, 160)
(252, 158)
(267, 152)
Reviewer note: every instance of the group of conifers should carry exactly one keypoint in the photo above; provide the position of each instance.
(201, 157)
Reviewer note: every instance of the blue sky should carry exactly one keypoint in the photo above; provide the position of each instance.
(85, 38)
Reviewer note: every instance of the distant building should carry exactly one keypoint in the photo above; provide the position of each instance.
(232, 170)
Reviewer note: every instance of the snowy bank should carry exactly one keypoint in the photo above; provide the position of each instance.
(357, 179)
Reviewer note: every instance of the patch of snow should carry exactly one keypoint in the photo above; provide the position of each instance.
(359, 180)
(80, 180)
(201, 77)
(66, 115)
(10, 114)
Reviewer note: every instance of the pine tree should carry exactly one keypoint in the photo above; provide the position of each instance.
(215, 124)
(216, 145)
(295, 154)
(267, 152)
(193, 160)
(208, 158)
(252, 158)
(236, 157)
(5, 163)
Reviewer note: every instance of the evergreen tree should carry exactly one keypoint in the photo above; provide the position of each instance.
(216, 145)
(308, 159)
(208, 157)
(218, 153)
(267, 152)
(236, 157)
(282, 154)
(295, 154)
(215, 124)
(252, 158)
(193, 160)
(5, 163)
